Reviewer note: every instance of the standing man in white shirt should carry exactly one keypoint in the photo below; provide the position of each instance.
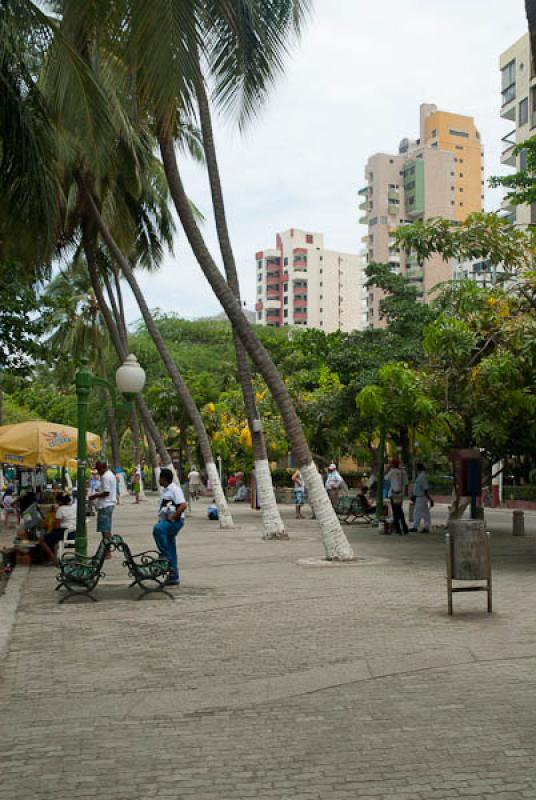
(171, 520)
(194, 483)
(423, 501)
(334, 484)
(104, 499)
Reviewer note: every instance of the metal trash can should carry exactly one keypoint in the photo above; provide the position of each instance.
(518, 523)
(468, 558)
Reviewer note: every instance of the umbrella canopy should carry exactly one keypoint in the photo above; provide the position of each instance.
(30, 444)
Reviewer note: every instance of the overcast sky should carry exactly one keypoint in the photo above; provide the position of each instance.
(352, 88)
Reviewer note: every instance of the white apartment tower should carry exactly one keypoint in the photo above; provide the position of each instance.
(299, 282)
(518, 106)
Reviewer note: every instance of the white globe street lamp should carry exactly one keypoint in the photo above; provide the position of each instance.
(130, 377)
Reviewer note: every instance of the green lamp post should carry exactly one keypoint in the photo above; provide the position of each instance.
(129, 380)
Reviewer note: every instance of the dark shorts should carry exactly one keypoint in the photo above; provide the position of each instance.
(104, 519)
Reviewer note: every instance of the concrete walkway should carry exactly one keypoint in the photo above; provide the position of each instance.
(274, 675)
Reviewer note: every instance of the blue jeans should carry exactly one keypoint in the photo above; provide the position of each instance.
(165, 535)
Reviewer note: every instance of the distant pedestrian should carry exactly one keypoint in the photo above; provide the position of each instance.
(136, 485)
(423, 501)
(171, 519)
(104, 499)
(334, 484)
(299, 493)
(194, 483)
(397, 482)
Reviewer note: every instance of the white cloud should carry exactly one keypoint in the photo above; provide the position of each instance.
(352, 87)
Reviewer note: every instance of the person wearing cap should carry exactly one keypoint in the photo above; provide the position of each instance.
(334, 484)
(105, 498)
(397, 486)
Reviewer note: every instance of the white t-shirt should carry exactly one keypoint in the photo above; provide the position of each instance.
(66, 516)
(334, 480)
(108, 484)
(397, 479)
(194, 478)
(174, 494)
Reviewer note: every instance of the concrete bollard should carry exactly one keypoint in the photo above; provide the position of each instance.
(518, 523)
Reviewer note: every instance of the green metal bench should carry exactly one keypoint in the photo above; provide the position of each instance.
(149, 570)
(351, 509)
(80, 574)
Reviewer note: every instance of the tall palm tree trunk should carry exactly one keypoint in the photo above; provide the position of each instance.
(335, 542)
(137, 448)
(111, 422)
(226, 520)
(271, 518)
(120, 347)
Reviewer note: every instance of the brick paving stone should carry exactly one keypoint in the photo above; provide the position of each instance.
(272, 678)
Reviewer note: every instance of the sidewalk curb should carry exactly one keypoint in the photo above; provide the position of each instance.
(9, 603)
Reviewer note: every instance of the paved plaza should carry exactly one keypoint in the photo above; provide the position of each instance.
(275, 675)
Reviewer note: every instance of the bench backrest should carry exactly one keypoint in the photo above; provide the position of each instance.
(358, 505)
(344, 503)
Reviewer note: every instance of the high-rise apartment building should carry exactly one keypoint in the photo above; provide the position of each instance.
(518, 105)
(440, 174)
(301, 283)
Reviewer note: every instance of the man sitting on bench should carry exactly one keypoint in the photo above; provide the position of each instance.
(368, 509)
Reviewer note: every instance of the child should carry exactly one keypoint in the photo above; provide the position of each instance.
(213, 511)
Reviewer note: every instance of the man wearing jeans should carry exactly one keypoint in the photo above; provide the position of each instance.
(171, 520)
(104, 499)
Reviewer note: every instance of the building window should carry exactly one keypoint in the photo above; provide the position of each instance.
(508, 79)
(383, 220)
(434, 133)
(524, 111)
(434, 145)
(461, 174)
(459, 147)
(285, 262)
(373, 220)
(285, 312)
(533, 106)
(454, 132)
(309, 238)
(259, 314)
(285, 301)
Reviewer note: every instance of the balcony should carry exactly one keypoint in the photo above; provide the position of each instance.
(272, 304)
(507, 153)
(415, 274)
(393, 194)
(363, 206)
(364, 190)
(364, 219)
(393, 208)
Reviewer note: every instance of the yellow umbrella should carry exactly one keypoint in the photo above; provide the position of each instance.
(30, 444)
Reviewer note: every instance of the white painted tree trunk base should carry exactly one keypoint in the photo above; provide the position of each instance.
(335, 543)
(226, 520)
(273, 527)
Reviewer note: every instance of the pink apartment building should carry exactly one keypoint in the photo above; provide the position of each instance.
(299, 282)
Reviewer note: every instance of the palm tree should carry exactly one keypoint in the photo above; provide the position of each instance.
(246, 43)
(75, 326)
(272, 522)
(179, 384)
